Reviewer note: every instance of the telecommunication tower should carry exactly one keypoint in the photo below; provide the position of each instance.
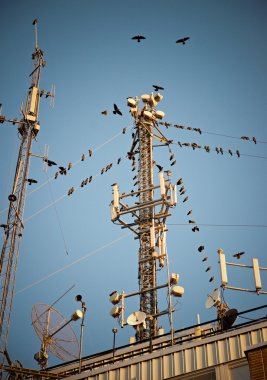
(28, 128)
(149, 214)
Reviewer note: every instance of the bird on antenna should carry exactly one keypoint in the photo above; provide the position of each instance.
(156, 88)
(138, 38)
(116, 110)
(34, 21)
(182, 40)
(238, 255)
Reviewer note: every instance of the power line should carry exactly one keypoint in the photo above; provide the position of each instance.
(221, 225)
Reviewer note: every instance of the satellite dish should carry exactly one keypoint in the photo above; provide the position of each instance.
(213, 299)
(63, 344)
(229, 318)
(136, 318)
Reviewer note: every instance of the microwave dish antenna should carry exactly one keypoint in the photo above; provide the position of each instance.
(136, 318)
(55, 333)
(213, 299)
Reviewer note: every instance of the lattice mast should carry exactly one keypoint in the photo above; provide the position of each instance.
(28, 127)
(150, 213)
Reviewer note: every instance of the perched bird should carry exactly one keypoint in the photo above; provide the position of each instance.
(207, 269)
(182, 40)
(31, 181)
(244, 137)
(104, 112)
(69, 165)
(238, 255)
(119, 160)
(205, 259)
(173, 163)
(138, 38)
(186, 199)
(56, 175)
(160, 168)
(183, 192)
(186, 144)
(90, 179)
(230, 152)
(168, 172)
(179, 182)
(124, 131)
(221, 150)
(217, 150)
(116, 110)
(201, 248)
(181, 189)
(191, 221)
(254, 140)
(83, 157)
(211, 279)
(189, 212)
(102, 170)
(171, 157)
(180, 144)
(90, 152)
(238, 153)
(156, 88)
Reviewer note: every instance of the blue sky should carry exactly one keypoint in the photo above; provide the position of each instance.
(216, 82)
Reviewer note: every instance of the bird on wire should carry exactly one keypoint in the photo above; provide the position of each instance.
(138, 38)
(156, 88)
(230, 152)
(201, 248)
(179, 182)
(238, 255)
(211, 279)
(185, 200)
(49, 162)
(238, 153)
(189, 212)
(194, 229)
(208, 269)
(116, 110)
(254, 140)
(182, 40)
(205, 259)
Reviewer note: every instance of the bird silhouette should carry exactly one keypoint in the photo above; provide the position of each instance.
(119, 160)
(207, 269)
(124, 131)
(4, 226)
(244, 137)
(189, 212)
(173, 163)
(83, 157)
(217, 150)
(138, 38)
(230, 152)
(49, 162)
(156, 88)
(180, 144)
(31, 181)
(179, 182)
(238, 153)
(201, 248)
(69, 166)
(62, 170)
(238, 255)
(254, 140)
(191, 221)
(159, 167)
(104, 112)
(182, 40)
(116, 110)
(90, 152)
(56, 175)
(205, 259)
(211, 279)
(171, 157)
(221, 150)
(181, 188)
(195, 228)
(186, 199)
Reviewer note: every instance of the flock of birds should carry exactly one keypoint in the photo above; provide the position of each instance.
(182, 40)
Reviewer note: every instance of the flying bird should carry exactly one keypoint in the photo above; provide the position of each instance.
(49, 162)
(31, 181)
(182, 40)
(201, 248)
(238, 255)
(104, 112)
(194, 229)
(62, 170)
(160, 168)
(138, 38)
(116, 110)
(156, 88)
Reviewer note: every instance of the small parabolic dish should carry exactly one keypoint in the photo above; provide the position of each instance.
(213, 299)
(136, 318)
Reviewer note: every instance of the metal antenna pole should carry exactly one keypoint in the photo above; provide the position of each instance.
(146, 264)
(28, 128)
